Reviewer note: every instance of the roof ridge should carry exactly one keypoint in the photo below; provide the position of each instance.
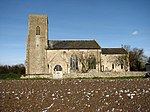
(113, 48)
(71, 40)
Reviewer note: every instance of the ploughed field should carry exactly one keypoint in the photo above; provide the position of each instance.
(75, 95)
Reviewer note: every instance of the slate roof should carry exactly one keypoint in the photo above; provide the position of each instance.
(72, 44)
(114, 51)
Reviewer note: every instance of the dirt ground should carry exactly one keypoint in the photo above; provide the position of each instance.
(72, 95)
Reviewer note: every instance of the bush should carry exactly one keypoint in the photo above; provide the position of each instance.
(14, 71)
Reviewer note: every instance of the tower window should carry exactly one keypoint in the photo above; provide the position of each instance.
(113, 66)
(37, 30)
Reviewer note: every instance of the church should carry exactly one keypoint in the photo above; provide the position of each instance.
(60, 57)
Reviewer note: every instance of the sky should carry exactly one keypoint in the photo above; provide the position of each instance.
(110, 22)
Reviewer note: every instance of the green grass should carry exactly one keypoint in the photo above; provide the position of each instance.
(9, 76)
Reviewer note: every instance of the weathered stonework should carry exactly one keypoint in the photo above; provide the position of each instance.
(36, 44)
(62, 57)
(56, 59)
(109, 60)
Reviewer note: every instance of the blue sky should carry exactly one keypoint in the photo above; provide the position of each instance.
(110, 22)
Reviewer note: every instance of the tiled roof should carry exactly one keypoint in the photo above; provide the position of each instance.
(72, 44)
(114, 51)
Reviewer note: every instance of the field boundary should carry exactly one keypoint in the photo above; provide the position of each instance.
(88, 75)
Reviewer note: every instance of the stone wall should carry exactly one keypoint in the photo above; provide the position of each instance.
(89, 75)
(37, 76)
(104, 74)
(120, 74)
(107, 60)
(62, 58)
(36, 44)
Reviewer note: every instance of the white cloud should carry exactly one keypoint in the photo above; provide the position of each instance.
(135, 33)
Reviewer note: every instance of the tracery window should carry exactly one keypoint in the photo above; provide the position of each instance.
(37, 30)
(92, 62)
(73, 62)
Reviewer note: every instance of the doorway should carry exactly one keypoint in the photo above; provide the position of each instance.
(57, 72)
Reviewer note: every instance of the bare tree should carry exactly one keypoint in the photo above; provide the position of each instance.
(83, 58)
(88, 61)
(123, 60)
(136, 58)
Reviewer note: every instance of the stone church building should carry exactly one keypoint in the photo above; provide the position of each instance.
(45, 56)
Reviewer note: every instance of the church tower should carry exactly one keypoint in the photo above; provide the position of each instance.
(37, 42)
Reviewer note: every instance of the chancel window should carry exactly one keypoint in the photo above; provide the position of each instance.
(37, 30)
(92, 62)
(73, 62)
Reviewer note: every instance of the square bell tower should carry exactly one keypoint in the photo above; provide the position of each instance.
(37, 42)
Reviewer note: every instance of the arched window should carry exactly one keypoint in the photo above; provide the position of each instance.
(113, 66)
(92, 62)
(74, 62)
(37, 30)
(57, 68)
(121, 66)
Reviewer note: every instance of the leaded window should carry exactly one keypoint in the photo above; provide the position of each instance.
(73, 62)
(92, 62)
(37, 30)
